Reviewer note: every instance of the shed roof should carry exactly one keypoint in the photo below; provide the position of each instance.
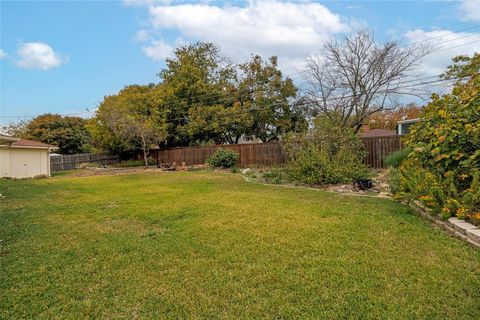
(20, 143)
(31, 143)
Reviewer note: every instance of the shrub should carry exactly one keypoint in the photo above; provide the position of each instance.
(394, 180)
(275, 176)
(223, 158)
(441, 194)
(151, 162)
(395, 159)
(444, 163)
(329, 154)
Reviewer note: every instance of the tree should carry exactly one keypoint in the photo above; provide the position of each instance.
(16, 129)
(463, 68)
(270, 99)
(388, 119)
(447, 139)
(131, 119)
(443, 167)
(210, 99)
(197, 84)
(358, 77)
(68, 133)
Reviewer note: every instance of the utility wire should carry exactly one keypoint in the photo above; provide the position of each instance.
(199, 98)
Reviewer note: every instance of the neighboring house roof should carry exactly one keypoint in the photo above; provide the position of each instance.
(13, 142)
(379, 133)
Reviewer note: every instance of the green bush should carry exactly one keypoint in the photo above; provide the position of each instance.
(439, 193)
(443, 167)
(275, 176)
(151, 162)
(394, 180)
(329, 154)
(223, 158)
(314, 165)
(395, 159)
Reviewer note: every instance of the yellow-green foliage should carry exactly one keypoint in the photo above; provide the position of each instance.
(331, 153)
(445, 148)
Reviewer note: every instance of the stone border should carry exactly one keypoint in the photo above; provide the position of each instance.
(453, 226)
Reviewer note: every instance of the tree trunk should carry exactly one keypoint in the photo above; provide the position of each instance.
(145, 156)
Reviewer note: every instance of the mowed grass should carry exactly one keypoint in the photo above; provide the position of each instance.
(211, 245)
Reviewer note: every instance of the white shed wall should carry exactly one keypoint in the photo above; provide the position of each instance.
(24, 162)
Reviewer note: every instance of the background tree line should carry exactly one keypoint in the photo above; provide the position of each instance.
(203, 98)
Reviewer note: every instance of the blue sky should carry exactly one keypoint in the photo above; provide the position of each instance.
(65, 56)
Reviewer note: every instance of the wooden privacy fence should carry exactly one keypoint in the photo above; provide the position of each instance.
(72, 161)
(378, 148)
(268, 154)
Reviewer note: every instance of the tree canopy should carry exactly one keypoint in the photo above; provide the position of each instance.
(68, 133)
(131, 119)
(204, 98)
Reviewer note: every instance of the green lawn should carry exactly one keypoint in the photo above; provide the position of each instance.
(211, 245)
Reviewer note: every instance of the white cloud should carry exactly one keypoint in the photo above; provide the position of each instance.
(139, 3)
(142, 35)
(448, 45)
(3, 54)
(158, 50)
(38, 55)
(470, 10)
(289, 30)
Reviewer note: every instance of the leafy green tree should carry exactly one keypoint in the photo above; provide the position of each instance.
(131, 119)
(269, 96)
(209, 99)
(463, 67)
(197, 83)
(447, 139)
(445, 146)
(68, 133)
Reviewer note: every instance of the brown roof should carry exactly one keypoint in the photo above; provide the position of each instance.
(379, 133)
(30, 143)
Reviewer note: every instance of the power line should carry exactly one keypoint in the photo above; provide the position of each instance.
(299, 104)
(200, 97)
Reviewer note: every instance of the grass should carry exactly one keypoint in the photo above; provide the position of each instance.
(210, 245)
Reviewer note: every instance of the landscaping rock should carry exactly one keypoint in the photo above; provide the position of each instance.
(474, 234)
(451, 221)
(460, 225)
(246, 171)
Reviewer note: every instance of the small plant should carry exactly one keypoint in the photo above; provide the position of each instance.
(235, 170)
(395, 159)
(151, 162)
(223, 158)
(274, 176)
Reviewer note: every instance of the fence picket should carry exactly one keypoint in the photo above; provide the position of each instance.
(377, 149)
(72, 161)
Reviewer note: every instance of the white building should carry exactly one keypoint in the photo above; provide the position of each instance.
(404, 125)
(20, 158)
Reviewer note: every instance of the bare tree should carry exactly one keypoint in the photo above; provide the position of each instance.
(356, 77)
